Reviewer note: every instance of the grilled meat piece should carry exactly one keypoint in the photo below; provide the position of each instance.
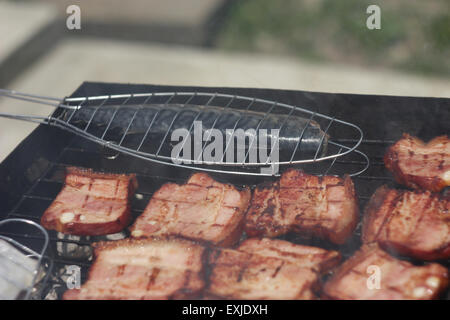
(91, 203)
(415, 224)
(318, 259)
(143, 269)
(420, 165)
(202, 209)
(398, 280)
(268, 269)
(323, 206)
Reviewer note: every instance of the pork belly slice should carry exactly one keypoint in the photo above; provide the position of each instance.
(415, 224)
(268, 269)
(91, 203)
(325, 206)
(202, 209)
(143, 269)
(399, 280)
(420, 165)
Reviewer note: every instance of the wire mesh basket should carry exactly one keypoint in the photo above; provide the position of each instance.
(143, 125)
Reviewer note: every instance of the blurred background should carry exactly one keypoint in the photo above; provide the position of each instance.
(313, 45)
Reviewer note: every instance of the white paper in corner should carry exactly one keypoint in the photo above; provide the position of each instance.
(16, 271)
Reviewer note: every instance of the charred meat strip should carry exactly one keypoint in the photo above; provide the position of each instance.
(310, 205)
(416, 224)
(268, 269)
(420, 165)
(202, 209)
(91, 203)
(357, 278)
(143, 269)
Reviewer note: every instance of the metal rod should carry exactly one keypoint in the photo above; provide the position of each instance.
(332, 163)
(256, 130)
(18, 93)
(214, 125)
(175, 117)
(192, 126)
(301, 137)
(74, 111)
(235, 126)
(151, 124)
(44, 100)
(93, 114)
(170, 127)
(113, 116)
(35, 119)
(321, 139)
(132, 119)
(278, 138)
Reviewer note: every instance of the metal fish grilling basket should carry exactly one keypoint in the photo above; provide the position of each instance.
(212, 132)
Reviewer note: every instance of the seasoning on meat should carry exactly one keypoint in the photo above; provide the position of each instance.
(268, 269)
(310, 205)
(91, 203)
(420, 165)
(202, 209)
(415, 224)
(143, 269)
(372, 274)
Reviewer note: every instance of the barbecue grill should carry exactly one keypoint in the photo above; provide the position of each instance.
(33, 173)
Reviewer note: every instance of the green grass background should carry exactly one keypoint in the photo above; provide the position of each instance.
(414, 35)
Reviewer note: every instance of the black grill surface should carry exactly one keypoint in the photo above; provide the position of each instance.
(33, 173)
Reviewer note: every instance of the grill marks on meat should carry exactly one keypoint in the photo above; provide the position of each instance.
(415, 224)
(91, 203)
(420, 165)
(323, 206)
(201, 209)
(399, 279)
(268, 269)
(144, 269)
